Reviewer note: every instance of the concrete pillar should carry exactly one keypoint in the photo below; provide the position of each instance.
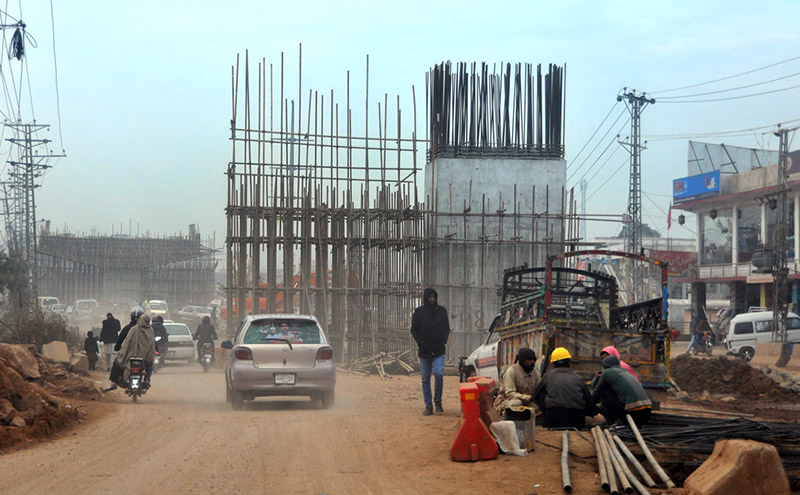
(738, 297)
(698, 300)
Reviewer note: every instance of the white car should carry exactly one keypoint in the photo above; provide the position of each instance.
(180, 346)
(192, 314)
(157, 307)
(483, 360)
(747, 329)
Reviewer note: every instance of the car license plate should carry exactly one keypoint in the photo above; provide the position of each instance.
(284, 379)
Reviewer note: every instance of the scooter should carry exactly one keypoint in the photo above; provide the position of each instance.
(136, 383)
(207, 356)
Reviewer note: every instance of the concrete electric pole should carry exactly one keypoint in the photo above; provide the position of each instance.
(780, 274)
(635, 102)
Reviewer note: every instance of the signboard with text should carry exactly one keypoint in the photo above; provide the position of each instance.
(695, 187)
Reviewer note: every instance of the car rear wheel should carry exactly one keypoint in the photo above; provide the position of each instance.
(327, 399)
(746, 353)
(237, 400)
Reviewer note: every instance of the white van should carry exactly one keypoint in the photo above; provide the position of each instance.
(748, 328)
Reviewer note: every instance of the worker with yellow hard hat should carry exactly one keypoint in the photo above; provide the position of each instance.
(562, 395)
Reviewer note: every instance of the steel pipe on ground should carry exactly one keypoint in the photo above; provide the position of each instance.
(634, 481)
(612, 476)
(652, 460)
(601, 464)
(565, 480)
(623, 479)
(633, 460)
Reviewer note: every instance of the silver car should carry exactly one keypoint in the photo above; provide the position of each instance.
(279, 354)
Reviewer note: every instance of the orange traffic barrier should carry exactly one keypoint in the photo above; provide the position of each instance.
(473, 441)
(486, 400)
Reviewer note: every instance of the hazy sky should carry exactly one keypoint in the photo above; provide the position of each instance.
(145, 86)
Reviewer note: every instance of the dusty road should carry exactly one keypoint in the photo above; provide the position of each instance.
(184, 438)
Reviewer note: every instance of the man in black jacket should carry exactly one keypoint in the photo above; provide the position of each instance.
(108, 336)
(562, 396)
(430, 328)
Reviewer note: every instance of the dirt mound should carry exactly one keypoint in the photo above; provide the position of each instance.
(727, 376)
(34, 394)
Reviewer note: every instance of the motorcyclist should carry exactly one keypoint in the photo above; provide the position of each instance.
(160, 331)
(136, 312)
(205, 334)
(140, 343)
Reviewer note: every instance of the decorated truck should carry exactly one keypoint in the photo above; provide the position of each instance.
(556, 306)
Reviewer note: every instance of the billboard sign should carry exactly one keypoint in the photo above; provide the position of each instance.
(696, 187)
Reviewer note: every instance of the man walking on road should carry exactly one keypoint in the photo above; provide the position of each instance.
(430, 328)
(108, 336)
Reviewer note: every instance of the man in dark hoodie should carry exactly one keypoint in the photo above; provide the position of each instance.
(620, 394)
(430, 328)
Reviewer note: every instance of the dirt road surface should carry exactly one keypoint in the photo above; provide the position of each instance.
(182, 437)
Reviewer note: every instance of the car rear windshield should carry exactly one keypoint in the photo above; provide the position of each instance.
(177, 329)
(269, 331)
(158, 306)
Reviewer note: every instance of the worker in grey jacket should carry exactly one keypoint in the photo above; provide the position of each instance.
(620, 393)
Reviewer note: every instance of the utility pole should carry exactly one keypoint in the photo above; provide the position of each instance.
(781, 271)
(583, 185)
(635, 102)
(20, 192)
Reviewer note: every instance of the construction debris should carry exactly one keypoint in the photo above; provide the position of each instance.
(396, 362)
(57, 351)
(738, 467)
(36, 407)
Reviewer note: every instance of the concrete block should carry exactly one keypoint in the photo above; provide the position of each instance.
(739, 467)
(57, 351)
(79, 363)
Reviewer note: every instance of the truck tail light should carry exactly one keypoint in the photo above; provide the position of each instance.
(243, 354)
(324, 354)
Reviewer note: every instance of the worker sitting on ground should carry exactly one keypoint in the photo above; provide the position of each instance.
(620, 393)
(612, 351)
(562, 396)
(519, 382)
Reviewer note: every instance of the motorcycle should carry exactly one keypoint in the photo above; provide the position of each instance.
(158, 361)
(136, 386)
(207, 356)
(704, 345)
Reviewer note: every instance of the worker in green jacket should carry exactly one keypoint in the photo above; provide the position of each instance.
(619, 393)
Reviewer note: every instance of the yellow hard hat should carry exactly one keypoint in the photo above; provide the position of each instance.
(558, 354)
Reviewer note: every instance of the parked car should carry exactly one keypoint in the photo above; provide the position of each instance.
(84, 309)
(279, 354)
(483, 360)
(157, 307)
(59, 309)
(46, 302)
(747, 329)
(192, 314)
(181, 346)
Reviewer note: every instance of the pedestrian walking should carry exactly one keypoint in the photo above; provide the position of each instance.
(108, 336)
(92, 350)
(430, 328)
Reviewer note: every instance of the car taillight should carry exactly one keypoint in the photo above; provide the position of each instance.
(243, 354)
(324, 354)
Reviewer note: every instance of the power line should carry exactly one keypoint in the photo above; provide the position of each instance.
(599, 142)
(729, 89)
(610, 142)
(55, 66)
(728, 77)
(732, 133)
(593, 134)
(606, 181)
(732, 97)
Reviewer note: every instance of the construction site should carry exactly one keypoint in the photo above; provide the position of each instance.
(309, 194)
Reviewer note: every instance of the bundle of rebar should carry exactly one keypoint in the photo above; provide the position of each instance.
(475, 111)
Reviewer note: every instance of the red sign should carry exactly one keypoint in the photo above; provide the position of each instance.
(681, 264)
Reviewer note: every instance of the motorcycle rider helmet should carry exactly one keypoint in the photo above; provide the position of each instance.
(206, 319)
(136, 312)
